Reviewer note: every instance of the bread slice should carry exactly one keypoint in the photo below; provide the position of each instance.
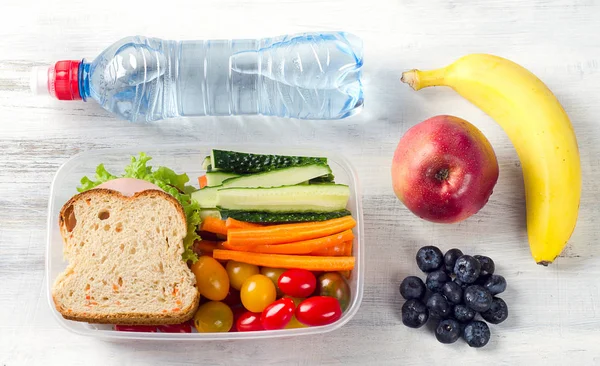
(125, 264)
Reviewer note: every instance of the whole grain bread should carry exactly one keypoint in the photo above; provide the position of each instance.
(125, 264)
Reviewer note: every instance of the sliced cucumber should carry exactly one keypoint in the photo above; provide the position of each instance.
(329, 178)
(206, 197)
(216, 178)
(279, 177)
(282, 217)
(210, 213)
(247, 163)
(206, 165)
(301, 198)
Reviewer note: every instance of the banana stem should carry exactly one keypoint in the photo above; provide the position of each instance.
(417, 79)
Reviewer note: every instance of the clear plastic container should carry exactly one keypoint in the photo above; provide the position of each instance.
(188, 159)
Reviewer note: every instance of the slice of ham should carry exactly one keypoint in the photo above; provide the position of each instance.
(128, 186)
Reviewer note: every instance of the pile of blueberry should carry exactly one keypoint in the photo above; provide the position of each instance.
(457, 288)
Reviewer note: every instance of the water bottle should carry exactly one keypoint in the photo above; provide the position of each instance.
(305, 76)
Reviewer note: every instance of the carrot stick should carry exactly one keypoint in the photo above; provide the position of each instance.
(338, 250)
(202, 181)
(299, 247)
(310, 263)
(213, 225)
(289, 233)
(236, 224)
(348, 247)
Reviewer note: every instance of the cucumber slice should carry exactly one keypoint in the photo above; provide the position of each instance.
(216, 178)
(206, 165)
(329, 178)
(282, 217)
(210, 213)
(301, 198)
(247, 163)
(206, 197)
(279, 177)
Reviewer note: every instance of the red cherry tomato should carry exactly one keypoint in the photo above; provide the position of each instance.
(135, 328)
(278, 314)
(238, 311)
(319, 310)
(297, 282)
(249, 322)
(176, 328)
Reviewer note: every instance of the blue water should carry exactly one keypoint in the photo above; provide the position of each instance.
(306, 76)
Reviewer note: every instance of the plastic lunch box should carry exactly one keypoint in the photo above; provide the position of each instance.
(188, 159)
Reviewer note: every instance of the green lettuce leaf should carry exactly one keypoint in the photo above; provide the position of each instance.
(169, 181)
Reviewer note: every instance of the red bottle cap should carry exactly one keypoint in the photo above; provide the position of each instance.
(64, 84)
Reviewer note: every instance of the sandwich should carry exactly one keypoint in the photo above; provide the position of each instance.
(124, 240)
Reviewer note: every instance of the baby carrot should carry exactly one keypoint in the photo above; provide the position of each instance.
(213, 225)
(310, 263)
(288, 233)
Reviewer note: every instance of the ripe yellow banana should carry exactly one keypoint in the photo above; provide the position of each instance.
(541, 132)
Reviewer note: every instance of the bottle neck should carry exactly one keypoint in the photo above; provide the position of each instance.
(84, 80)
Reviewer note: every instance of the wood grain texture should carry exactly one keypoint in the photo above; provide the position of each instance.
(555, 311)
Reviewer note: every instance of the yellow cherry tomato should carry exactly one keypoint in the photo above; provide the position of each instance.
(214, 316)
(257, 292)
(239, 272)
(273, 274)
(211, 278)
(294, 323)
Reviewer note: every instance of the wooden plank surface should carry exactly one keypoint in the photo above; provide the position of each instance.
(554, 316)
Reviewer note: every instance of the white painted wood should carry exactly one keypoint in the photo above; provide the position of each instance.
(555, 316)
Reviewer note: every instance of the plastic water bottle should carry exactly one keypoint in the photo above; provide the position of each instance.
(306, 76)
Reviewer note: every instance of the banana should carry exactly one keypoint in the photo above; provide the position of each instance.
(541, 132)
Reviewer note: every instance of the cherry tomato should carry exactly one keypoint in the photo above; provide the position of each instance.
(319, 310)
(294, 323)
(274, 274)
(239, 272)
(334, 285)
(297, 282)
(211, 278)
(212, 317)
(176, 328)
(296, 300)
(257, 293)
(249, 322)
(135, 328)
(278, 314)
(237, 312)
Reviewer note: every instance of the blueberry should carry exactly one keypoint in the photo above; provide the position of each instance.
(463, 313)
(447, 331)
(414, 313)
(477, 298)
(495, 284)
(429, 258)
(453, 292)
(467, 269)
(412, 287)
(482, 279)
(436, 279)
(476, 334)
(487, 265)
(438, 306)
(450, 259)
(497, 313)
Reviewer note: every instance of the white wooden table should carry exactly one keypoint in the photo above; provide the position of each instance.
(554, 311)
